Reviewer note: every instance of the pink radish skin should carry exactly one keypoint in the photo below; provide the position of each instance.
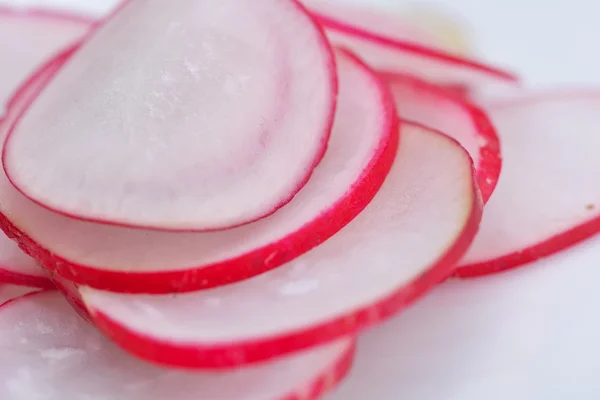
(172, 158)
(437, 108)
(546, 200)
(361, 151)
(367, 33)
(9, 292)
(50, 353)
(406, 241)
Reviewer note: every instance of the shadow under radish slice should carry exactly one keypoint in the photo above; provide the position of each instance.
(530, 333)
(434, 107)
(215, 125)
(376, 38)
(405, 242)
(29, 36)
(361, 150)
(49, 352)
(548, 196)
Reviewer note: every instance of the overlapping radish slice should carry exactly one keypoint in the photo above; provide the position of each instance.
(71, 292)
(433, 106)
(9, 292)
(382, 42)
(404, 242)
(217, 124)
(547, 197)
(361, 151)
(27, 38)
(525, 334)
(49, 352)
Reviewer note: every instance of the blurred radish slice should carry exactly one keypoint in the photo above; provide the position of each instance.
(384, 43)
(71, 293)
(435, 107)
(548, 197)
(27, 38)
(525, 334)
(49, 352)
(17, 268)
(217, 124)
(404, 242)
(361, 151)
(9, 292)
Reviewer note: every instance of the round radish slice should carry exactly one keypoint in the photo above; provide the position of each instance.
(437, 108)
(404, 242)
(49, 353)
(379, 39)
(361, 151)
(547, 197)
(28, 37)
(217, 124)
(9, 292)
(526, 334)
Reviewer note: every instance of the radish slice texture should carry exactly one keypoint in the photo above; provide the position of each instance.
(379, 39)
(361, 151)
(50, 353)
(547, 197)
(27, 38)
(404, 242)
(9, 292)
(217, 124)
(526, 334)
(435, 107)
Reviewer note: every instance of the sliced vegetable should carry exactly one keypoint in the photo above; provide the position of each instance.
(216, 124)
(9, 292)
(49, 352)
(404, 242)
(437, 108)
(71, 292)
(361, 151)
(548, 197)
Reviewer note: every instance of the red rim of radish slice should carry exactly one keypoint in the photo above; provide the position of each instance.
(370, 270)
(370, 172)
(554, 243)
(39, 344)
(174, 207)
(489, 159)
(9, 292)
(347, 28)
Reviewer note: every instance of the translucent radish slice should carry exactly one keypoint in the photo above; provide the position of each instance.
(49, 353)
(404, 242)
(526, 334)
(437, 108)
(217, 124)
(9, 292)
(378, 38)
(27, 38)
(361, 151)
(547, 197)
(71, 292)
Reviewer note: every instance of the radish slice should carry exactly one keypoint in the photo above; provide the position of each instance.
(28, 37)
(50, 353)
(217, 124)
(71, 292)
(548, 197)
(437, 108)
(9, 292)
(361, 151)
(380, 40)
(526, 334)
(404, 242)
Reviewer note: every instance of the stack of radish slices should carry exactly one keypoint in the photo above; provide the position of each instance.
(226, 194)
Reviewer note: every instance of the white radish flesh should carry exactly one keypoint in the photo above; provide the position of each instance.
(361, 151)
(404, 242)
(216, 124)
(548, 197)
(49, 353)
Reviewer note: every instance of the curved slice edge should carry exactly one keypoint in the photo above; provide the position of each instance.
(9, 292)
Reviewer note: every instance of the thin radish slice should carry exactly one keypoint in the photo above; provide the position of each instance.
(361, 151)
(525, 334)
(437, 108)
(404, 242)
(27, 38)
(217, 124)
(10, 292)
(49, 353)
(547, 197)
(379, 39)
(71, 292)
(17, 268)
